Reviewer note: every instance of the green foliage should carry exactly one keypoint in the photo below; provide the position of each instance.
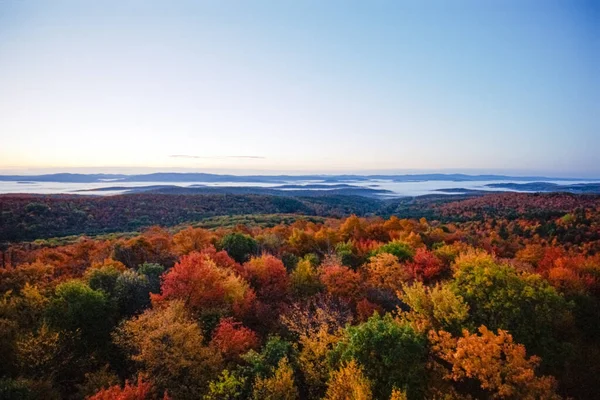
(260, 364)
(153, 272)
(132, 292)
(345, 251)
(77, 307)
(439, 305)
(401, 250)
(239, 246)
(227, 387)
(392, 355)
(524, 304)
(104, 278)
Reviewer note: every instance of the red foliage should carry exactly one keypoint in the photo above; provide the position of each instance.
(221, 258)
(267, 276)
(233, 339)
(425, 266)
(140, 391)
(203, 286)
(365, 309)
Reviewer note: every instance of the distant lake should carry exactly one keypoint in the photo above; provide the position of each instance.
(398, 189)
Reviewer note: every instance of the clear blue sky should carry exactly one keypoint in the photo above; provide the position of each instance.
(281, 85)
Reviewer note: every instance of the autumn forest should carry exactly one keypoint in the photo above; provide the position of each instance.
(140, 297)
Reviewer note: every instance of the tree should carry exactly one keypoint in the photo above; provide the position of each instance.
(239, 246)
(425, 266)
(402, 251)
(192, 239)
(232, 339)
(228, 387)
(205, 288)
(280, 386)
(132, 292)
(304, 280)
(38, 354)
(318, 323)
(392, 354)
(153, 272)
(103, 278)
(500, 366)
(166, 344)
(77, 307)
(438, 306)
(349, 383)
(341, 282)
(268, 277)
(140, 391)
(524, 304)
(386, 273)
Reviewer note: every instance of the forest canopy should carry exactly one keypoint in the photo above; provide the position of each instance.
(494, 297)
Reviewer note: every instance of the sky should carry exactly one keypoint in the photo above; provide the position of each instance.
(509, 86)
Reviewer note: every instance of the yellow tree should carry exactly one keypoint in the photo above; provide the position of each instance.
(167, 345)
(280, 386)
(349, 383)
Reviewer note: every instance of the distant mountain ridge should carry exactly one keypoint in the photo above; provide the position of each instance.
(278, 179)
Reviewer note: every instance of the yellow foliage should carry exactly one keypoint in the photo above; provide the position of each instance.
(37, 351)
(437, 305)
(349, 383)
(168, 346)
(280, 386)
(474, 258)
(398, 395)
(385, 272)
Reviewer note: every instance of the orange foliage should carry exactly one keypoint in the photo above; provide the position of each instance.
(341, 281)
(203, 286)
(501, 366)
(192, 239)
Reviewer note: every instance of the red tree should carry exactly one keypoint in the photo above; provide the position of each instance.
(233, 339)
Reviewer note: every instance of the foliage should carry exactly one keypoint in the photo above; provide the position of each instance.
(280, 386)
(232, 339)
(76, 307)
(318, 300)
(401, 250)
(166, 344)
(378, 345)
(227, 387)
(239, 246)
(524, 304)
(205, 288)
(139, 391)
(349, 383)
(500, 366)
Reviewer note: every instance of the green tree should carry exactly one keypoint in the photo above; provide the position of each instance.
(153, 272)
(103, 278)
(401, 250)
(78, 307)
(392, 355)
(239, 246)
(132, 292)
(524, 304)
